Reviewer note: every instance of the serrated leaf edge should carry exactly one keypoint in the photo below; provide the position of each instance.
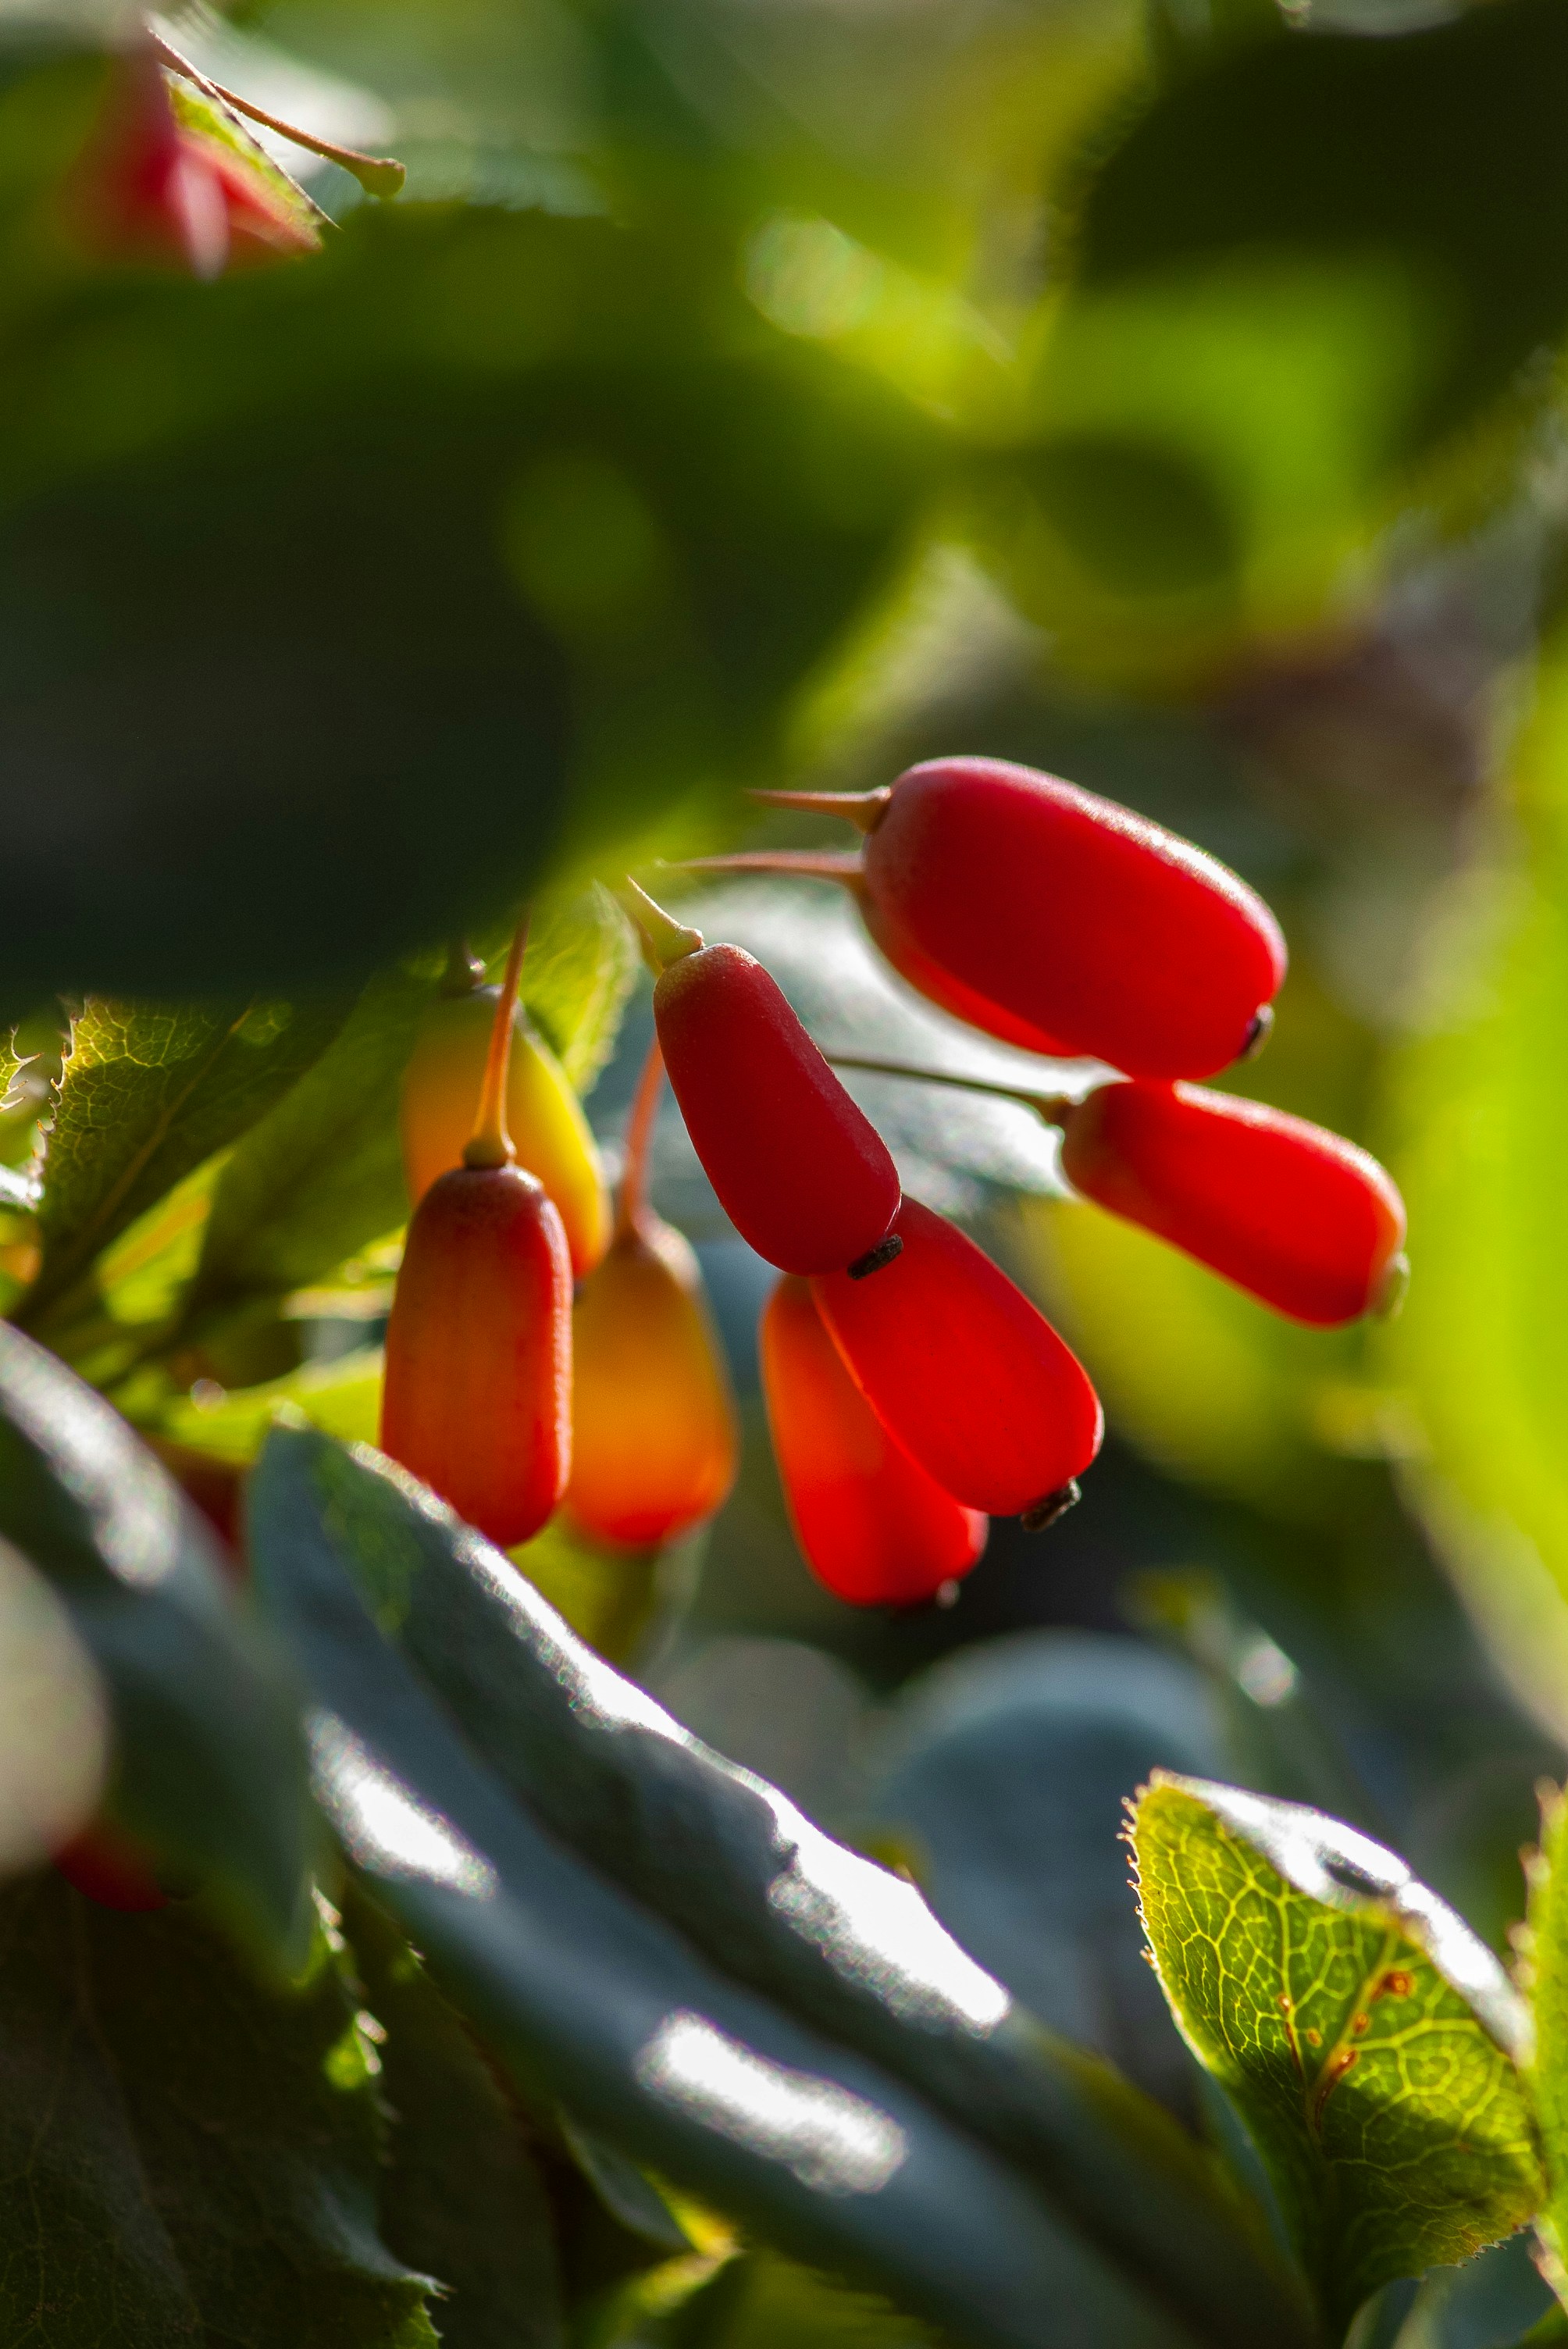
(1308, 1847)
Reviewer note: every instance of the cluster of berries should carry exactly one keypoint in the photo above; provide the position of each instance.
(500, 1394)
(913, 1389)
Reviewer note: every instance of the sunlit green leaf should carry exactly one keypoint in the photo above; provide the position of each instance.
(147, 1093)
(322, 1175)
(582, 963)
(1368, 2039)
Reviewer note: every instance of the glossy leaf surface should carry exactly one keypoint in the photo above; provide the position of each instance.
(594, 1997)
(767, 1895)
(208, 1761)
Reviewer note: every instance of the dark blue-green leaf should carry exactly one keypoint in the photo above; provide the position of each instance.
(597, 2000)
(207, 1762)
(769, 1897)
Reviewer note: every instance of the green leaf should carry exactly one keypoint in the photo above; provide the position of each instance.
(580, 966)
(147, 1093)
(322, 1175)
(210, 120)
(462, 2198)
(592, 1998)
(342, 1397)
(185, 2156)
(766, 1895)
(1547, 1981)
(763, 2302)
(1000, 1776)
(1368, 2038)
(208, 1766)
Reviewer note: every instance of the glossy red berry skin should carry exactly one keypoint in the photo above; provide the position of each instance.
(108, 1867)
(964, 1372)
(803, 1176)
(1295, 1214)
(1058, 920)
(871, 1525)
(477, 1394)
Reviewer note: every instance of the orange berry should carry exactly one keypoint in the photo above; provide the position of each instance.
(653, 1426)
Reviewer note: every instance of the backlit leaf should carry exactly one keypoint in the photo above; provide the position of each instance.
(1367, 2037)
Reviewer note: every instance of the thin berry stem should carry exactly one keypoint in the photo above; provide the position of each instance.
(379, 175)
(841, 865)
(639, 1143)
(1054, 1108)
(492, 1144)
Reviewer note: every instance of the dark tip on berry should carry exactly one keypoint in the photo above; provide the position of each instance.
(875, 1259)
(1259, 1029)
(1055, 1505)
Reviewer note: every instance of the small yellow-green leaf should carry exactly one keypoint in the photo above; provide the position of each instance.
(1368, 2038)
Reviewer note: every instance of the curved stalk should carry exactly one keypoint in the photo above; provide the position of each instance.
(1053, 1108)
(492, 1144)
(640, 1126)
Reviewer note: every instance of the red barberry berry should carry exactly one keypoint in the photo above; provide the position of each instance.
(871, 1525)
(964, 1372)
(1052, 917)
(477, 1399)
(803, 1176)
(1298, 1215)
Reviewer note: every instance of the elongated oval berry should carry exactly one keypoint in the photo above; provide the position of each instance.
(476, 1396)
(803, 1176)
(653, 1426)
(654, 1439)
(1057, 919)
(1300, 1217)
(870, 1523)
(476, 1400)
(964, 1372)
(550, 1134)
